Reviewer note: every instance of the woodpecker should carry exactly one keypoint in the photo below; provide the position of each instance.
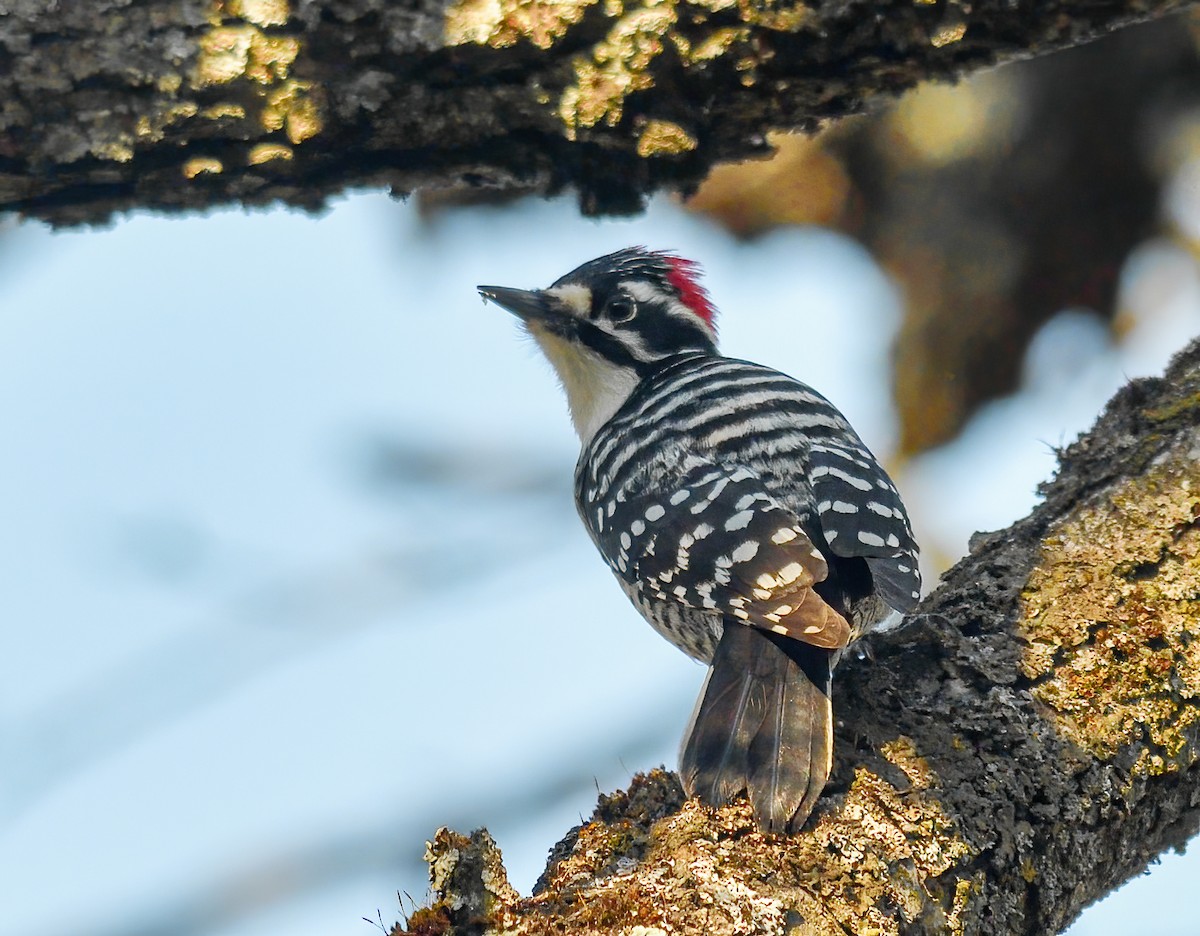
(738, 510)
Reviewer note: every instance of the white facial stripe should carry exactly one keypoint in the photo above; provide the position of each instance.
(643, 291)
(646, 292)
(577, 298)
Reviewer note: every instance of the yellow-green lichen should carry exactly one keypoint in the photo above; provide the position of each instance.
(113, 150)
(664, 138)
(1111, 617)
(948, 33)
(244, 51)
(200, 165)
(503, 23)
(620, 64)
(224, 109)
(617, 67)
(882, 859)
(267, 152)
(260, 12)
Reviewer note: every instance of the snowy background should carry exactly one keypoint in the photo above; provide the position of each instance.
(290, 573)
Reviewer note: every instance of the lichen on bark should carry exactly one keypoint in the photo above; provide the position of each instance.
(186, 104)
(1112, 616)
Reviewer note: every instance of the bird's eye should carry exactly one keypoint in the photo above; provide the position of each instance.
(620, 309)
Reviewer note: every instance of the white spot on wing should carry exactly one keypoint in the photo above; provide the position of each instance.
(745, 552)
(739, 521)
(655, 512)
(790, 572)
(869, 539)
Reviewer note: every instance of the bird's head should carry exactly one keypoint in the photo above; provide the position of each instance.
(612, 322)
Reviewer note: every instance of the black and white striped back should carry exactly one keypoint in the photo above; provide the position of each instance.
(707, 434)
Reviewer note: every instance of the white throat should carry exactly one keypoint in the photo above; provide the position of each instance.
(595, 388)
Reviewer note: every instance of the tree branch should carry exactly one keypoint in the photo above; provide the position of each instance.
(185, 104)
(1027, 743)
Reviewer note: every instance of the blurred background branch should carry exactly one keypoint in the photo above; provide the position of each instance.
(194, 103)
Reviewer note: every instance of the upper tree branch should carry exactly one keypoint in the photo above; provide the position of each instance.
(110, 105)
(1030, 741)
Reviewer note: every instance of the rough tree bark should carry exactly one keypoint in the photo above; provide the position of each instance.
(1030, 741)
(175, 104)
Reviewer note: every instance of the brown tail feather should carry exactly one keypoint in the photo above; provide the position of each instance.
(763, 725)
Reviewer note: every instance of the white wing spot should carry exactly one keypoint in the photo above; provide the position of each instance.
(790, 572)
(881, 509)
(638, 527)
(747, 551)
(779, 629)
(772, 617)
(916, 594)
(622, 564)
(680, 496)
(723, 576)
(739, 521)
(869, 539)
(767, 581)
(741, 613)
(844, 507)
(813, 629)
(702, 531)
(686, 541)
(680, 591)
(655, 512)
(612, 508)
(831, 536)
(903, 568)
(892, 540)
(626, 542)
(762, 594)
(783, 535)
(783, 610)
